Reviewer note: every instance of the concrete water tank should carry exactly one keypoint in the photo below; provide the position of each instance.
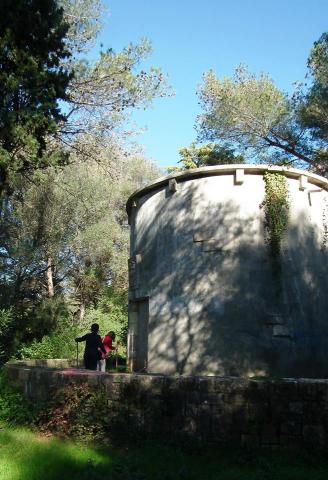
(204, 295)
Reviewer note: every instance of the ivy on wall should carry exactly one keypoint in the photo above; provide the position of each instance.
(325, 224)
(276, 210)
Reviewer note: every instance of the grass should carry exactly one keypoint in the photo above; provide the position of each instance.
(25, 455)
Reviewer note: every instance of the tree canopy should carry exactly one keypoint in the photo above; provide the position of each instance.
(209, 154)
(53, 98)
(32, 82)
(67, 165)
(314, 109)
(254, 115)
(102, 92)
(266, 124)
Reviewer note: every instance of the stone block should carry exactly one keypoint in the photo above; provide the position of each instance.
(275, 319)
(250, 439)
(281, 331)
(173, 185)
(313, 389)
(24, 374)
(290, 427)
(314, 413)
(314, 436)
(239, 176)
(269, 434)
(296, 407)
(199, 237)
(259, 411)
(303, 182)
(236, 399)
(213, 409)
(291, 441)
(189, 426)
(93, 380)
(113, 392)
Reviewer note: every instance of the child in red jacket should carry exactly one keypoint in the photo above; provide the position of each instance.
(108, 346)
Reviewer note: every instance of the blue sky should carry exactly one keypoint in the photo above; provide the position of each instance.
(189, 37)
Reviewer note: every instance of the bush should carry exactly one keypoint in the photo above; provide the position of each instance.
(59, 344)
(14, 408)
(6, 327)
(77, 411)
(110, 314)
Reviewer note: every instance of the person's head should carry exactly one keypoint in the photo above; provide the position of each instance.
(111, 334)
(95, 328)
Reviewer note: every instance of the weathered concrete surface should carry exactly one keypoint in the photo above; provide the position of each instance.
(203, 296)
(291, 412)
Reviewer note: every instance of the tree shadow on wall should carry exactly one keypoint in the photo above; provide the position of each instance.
(214, 301)
(208, 276)
(304, 302)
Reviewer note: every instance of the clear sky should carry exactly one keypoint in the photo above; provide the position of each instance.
(190, 37)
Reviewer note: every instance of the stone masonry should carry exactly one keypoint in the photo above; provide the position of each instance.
(286, 412)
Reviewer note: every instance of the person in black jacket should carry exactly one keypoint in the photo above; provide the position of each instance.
(93, 344)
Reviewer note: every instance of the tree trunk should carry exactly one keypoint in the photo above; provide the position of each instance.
(81, 312)
(49, 276)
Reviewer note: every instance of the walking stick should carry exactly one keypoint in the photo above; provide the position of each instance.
(77, 355)
(116, 358)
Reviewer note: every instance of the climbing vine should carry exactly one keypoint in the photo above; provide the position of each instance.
(325, 224)
(276, 209)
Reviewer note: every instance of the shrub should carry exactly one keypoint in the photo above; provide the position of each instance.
(111, 314)
(15, 409)
(59, 344)
(6, 326)
(77, 411)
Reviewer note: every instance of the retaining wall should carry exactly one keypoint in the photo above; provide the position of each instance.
(286, 412)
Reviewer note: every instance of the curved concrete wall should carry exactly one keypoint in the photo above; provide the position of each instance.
(203, 296)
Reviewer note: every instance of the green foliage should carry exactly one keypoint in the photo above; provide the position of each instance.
(26, 455)
(14, 408)
(48, 315)
(103, 92)
(314, 107)
(47, 331)
(77, 411)
(85, 22)
(7, 322)
(31, 81)
(206, 155)
(325, 225)
(111, 314)
(63, 232)
(276, 209)
(80, 412)
(252, 113)
(59, 344)
(77, 217)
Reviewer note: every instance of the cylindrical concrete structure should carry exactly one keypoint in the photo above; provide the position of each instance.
(204, 296)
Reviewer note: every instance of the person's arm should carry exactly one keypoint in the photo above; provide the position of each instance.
(101, 346)
(81, 339)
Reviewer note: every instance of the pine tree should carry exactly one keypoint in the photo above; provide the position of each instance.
(32, 82)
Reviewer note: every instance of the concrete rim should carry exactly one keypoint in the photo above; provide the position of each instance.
(221, 170)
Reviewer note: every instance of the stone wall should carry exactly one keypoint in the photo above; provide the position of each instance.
(206, 295)
(286, 412)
